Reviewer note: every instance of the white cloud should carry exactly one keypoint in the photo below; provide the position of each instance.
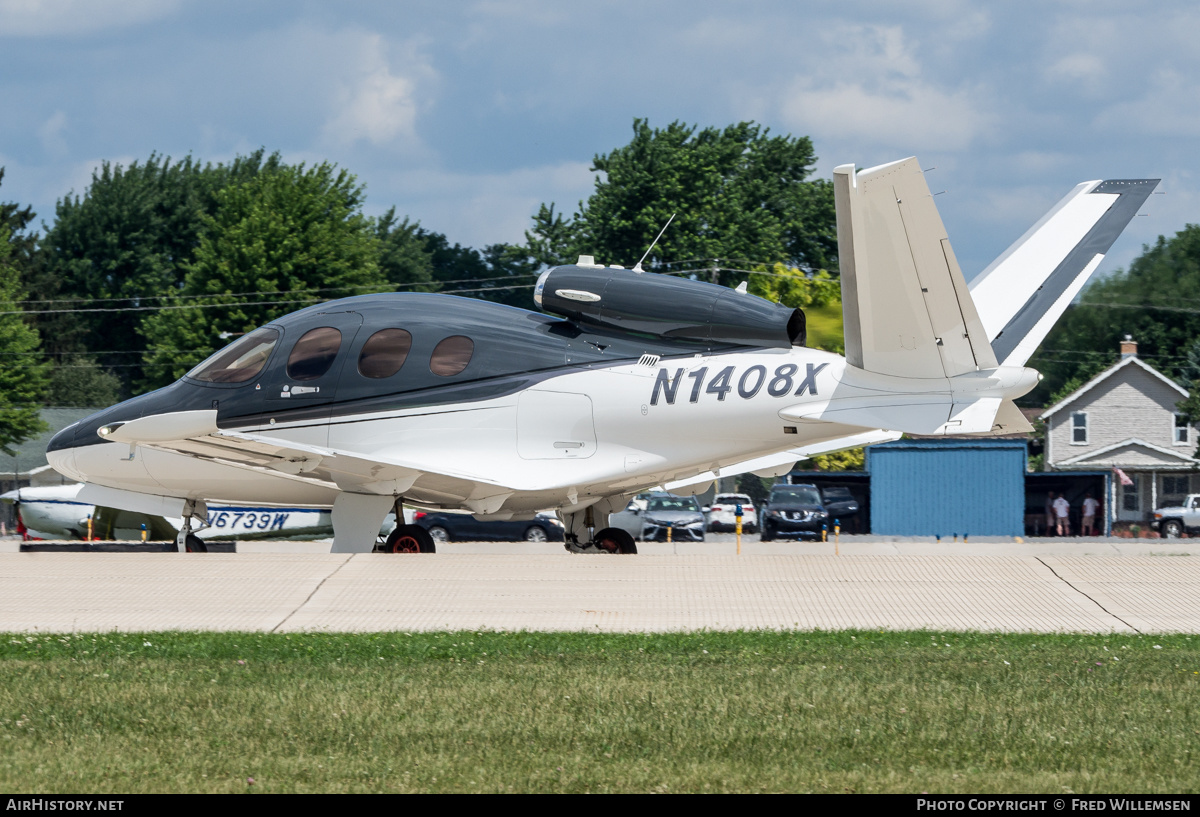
(51, 134)
(42, 18)
(375, 104)
(1086, 68)
(1162, 109)
(868, 86)
(912, 116)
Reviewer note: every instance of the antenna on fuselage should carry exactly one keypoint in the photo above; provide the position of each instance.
(638, 266)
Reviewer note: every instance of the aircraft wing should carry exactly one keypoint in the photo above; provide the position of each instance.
(195, 434)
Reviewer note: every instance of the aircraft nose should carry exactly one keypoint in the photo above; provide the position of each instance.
(62, 460)
(63, 440)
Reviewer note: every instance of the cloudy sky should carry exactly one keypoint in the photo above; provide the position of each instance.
(466, 115)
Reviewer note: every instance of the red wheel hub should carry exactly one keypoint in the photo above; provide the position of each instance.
(406, 544)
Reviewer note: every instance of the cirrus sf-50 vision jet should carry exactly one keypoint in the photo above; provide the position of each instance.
(624, 381)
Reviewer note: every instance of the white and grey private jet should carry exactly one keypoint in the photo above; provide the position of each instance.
(624, 381)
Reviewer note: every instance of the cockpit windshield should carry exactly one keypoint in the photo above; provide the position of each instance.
(240, 361)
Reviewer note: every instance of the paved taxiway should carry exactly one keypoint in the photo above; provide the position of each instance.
(1090, 586)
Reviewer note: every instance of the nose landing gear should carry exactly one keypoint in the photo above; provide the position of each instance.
(186, 541)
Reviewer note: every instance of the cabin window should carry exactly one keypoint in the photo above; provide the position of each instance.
(384, 353)
(314, 353)
(452, 355)
(1181, 430)
(1079, 429)
(240, 361)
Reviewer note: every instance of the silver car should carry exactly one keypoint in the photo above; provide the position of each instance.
(650, 516)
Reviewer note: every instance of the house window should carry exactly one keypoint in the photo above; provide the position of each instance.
(1175, 486)
(1079, 428)
(1181, 430)
(1129, 493)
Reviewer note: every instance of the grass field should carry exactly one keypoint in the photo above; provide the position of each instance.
(704, 712)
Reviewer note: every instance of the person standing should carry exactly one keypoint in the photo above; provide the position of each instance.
(1090, 506)
(1062, 509)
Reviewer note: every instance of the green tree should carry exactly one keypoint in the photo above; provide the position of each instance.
(502, 273)
(1156, 301)
(404, 260)
(852, 459)
(818, 293)
(290, 237)
(78, 380)
(126, 242)
(22, 372)
(553, 239)
(738, 194)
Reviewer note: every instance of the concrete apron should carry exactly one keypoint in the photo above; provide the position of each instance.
(540, 587)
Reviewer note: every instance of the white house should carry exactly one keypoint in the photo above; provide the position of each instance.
(1125, 418)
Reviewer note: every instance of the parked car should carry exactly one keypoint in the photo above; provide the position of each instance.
(794, 510)
(650, 516)
(461, 527)
(1172, 521)
(839, 503)
(721, 516)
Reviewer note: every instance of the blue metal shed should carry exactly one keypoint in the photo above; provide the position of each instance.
(946, 487)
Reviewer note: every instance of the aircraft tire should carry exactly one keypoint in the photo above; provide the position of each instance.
(195, 544)
(619, 537)
(409, 539)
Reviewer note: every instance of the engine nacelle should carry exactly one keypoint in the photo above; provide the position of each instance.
(665, 306)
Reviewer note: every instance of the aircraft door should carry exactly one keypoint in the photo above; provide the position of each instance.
(555, 425)
(306, 375)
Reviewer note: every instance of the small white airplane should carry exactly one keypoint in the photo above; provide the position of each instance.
(632, 380)
(55, 512)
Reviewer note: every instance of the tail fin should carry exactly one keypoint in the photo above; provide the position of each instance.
(906, 306)
(1026, 290)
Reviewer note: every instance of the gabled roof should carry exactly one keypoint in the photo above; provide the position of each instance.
(1184, 459)
(1132, 360)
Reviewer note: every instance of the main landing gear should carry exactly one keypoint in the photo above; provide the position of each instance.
(581, 526)
(409, 539)
(406, 538)
(186, 541)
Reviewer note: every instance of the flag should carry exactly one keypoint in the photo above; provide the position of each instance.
(1121, 475)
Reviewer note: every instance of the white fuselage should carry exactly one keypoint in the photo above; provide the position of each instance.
(572, 438)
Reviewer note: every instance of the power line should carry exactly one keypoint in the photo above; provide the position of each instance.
(110, 309)
(274, 292)
(365, 287)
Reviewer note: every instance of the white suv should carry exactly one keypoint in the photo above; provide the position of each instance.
(721, 516)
